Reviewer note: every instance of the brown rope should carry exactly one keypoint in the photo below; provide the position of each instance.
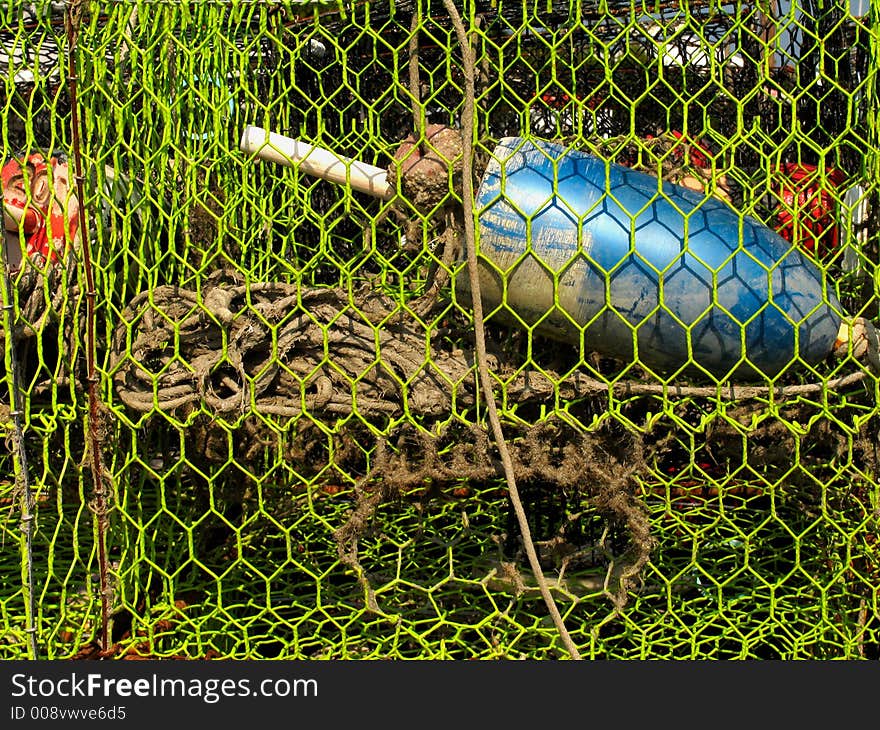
(376, 348)
(415, 86)
(468, 133)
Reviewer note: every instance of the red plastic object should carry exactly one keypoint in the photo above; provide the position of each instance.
(805, 215)
(30, 206)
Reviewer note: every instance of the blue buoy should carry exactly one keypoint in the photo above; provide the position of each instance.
(577, 247)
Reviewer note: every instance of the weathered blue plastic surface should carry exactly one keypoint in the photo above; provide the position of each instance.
(697, 283)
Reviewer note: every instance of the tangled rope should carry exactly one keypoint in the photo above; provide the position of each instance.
(42, 297)
(281, 349)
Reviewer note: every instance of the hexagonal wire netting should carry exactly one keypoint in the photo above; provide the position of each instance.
(295, 456)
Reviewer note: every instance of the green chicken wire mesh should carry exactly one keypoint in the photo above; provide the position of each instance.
(294, 444)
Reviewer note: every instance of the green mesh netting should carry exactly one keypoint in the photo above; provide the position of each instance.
(295, 448)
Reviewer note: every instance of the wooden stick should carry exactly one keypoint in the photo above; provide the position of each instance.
(317, 161)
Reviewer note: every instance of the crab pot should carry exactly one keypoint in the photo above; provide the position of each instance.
(641, 269)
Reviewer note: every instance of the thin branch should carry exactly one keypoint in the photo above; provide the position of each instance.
(93, 444)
